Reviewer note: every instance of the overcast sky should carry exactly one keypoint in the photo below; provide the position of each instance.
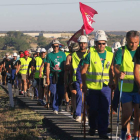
(124, 15)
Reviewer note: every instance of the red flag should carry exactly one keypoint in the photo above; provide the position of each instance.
(76, 36)
(87, 14)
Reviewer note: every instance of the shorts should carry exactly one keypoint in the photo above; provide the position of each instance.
(39, 81)
(130, 97)
(23, 76)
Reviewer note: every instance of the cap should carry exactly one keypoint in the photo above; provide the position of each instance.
(15, 54)
(38, 50)
(43, 50)
(82, 38)
(101, 37)
(21, 55)
(26, 53)
(66, 48)
(100, 32)
(75, 47)
(56, 41)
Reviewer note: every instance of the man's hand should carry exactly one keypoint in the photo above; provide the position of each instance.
(122, 75)
(40, 75)
(111, 84)
(48, 81)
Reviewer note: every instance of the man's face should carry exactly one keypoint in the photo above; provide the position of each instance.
(6, 56)
(56, 47)
(100, 46)
(133, 43)
(29, 55)
(83, 45)
(26, 56)
(15, 58)
(43, 54)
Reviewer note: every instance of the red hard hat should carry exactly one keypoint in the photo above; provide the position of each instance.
(21, 55)
(26, 53)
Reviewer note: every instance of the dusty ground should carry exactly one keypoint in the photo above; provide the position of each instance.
(20, 123)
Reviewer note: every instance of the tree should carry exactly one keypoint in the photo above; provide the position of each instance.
(41, 41)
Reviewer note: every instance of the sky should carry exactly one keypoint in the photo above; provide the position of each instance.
(112, 15)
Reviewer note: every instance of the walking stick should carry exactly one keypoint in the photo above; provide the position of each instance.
(119, 109)
(84, 115)
(111, 113)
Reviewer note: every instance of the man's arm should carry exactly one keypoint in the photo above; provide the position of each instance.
(67, 68)
(118, 73)
(40, 70)
(136, 74)
(48, 73)
(83, 76)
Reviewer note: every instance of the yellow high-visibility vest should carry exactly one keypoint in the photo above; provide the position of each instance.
(127, 66)
(97, 74)
(67, 53)
(75, 63)
(24, 65)
(39, 62)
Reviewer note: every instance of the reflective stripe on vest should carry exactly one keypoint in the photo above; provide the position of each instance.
(127, 66)
(39, 62)
(96, 74)
(75, 63)
(24, 65)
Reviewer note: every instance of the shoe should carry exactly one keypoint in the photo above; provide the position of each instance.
(103, 136)
(128, 137)
(47, 105)
(91, 132)
(86, 119)
(41, 102)
(25, 94)
(136, 138)
(55, 112)
(78, 119)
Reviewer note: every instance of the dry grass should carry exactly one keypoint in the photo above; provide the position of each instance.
(19, 124)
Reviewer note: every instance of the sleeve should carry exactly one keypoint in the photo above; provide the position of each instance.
(87, 59)
(48, 59)
(118, 57)
(136, 58)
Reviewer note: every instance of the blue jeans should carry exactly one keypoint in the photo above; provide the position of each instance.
(99, 108)
(57, 94)
(78, 100)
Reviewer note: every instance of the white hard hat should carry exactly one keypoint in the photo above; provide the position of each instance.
(43, 50)
(38, 50)
(116, 45)
(91, 43)
(82, 38)
(101, 37)
(7, 54)
(14, 54)
(34, 84)
(100, 32)
(123, 41)
(55, 41)
(29, 51)
(50, 50)
(66, 48)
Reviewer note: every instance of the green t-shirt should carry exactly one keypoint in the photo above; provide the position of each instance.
(118, 61)
(56, 61)
(101, 55)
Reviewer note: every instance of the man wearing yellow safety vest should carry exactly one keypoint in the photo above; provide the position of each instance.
(39, 77)
(68, 77)
(96, 75)
(22, 69)
(75, 60)
(124, 67)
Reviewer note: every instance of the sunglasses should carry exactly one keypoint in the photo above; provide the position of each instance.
(101, 43)
(55, 46)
